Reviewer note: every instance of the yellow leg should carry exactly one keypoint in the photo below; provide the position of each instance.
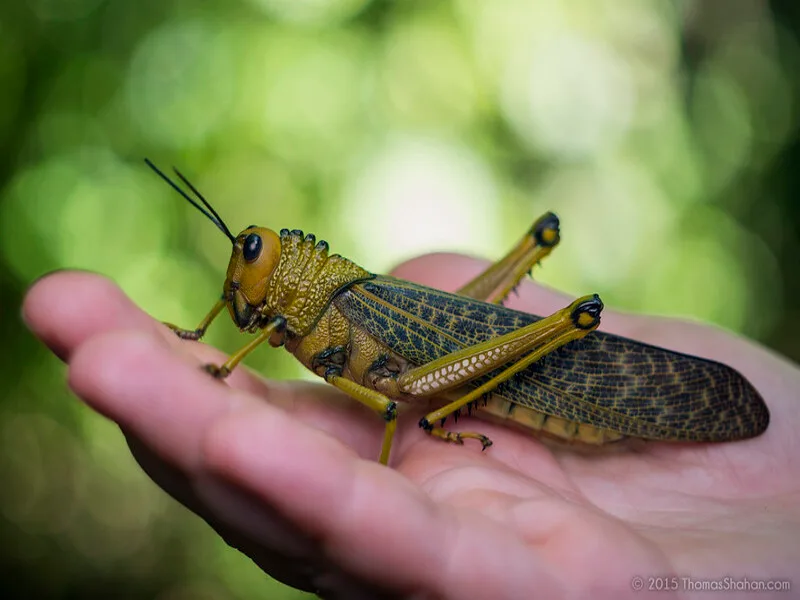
(496, 283)
(427, 422)
(377, 402)
(234, 359)
(388, 436)
(462, 366)
(196, 334)
(569, 324)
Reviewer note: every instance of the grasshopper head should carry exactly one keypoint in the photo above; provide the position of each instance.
(256, 253)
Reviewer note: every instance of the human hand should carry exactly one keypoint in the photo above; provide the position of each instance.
(286, 471)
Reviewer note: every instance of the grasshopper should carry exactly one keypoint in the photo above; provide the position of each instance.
(382, 340)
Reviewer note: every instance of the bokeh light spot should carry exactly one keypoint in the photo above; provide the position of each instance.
(181, 83)
(614, 219)
(419, 195)
(314, 12)
(13, 76)
(46, 464)
(63, 10)
(697, 279)
(570, 97)
(722, 126)
(427, 76)
(304, 94)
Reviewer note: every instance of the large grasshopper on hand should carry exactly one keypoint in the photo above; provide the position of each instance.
(382, 341)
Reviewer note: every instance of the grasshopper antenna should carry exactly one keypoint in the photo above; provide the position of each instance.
(208, 211)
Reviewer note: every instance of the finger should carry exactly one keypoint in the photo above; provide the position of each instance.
(364, 515)
(278, 546)
(165, 406)
(133, 378)
(165, 400)
(66, 308)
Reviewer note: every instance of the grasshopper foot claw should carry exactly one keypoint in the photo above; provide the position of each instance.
(454, 437)
(216, 372)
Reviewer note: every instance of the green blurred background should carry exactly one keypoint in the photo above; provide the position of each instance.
(664, 134)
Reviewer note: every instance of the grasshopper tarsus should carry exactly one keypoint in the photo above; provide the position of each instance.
(216, 372)
(459, 437)
(454, 437)
(485, 441)
(186, 334)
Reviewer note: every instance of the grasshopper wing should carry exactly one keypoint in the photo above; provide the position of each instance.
(603, 380)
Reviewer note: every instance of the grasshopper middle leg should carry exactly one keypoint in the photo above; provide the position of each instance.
(377, 402)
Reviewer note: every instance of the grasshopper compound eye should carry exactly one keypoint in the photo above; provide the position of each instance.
(252, 247)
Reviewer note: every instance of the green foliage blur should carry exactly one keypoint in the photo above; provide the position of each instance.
(664, 134)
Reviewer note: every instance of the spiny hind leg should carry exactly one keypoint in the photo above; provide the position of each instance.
(496, 283)
(520, 348)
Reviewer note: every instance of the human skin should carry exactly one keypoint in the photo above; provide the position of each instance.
(287, 473)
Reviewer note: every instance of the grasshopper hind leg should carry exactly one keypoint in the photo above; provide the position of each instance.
(458, 437)
(499, 359)
(500, 279)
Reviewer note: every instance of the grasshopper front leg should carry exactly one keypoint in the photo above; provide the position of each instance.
(496, 283)
(197, 334)
(276, 325)
(522, 348)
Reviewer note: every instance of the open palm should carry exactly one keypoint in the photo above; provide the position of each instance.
(286, 472)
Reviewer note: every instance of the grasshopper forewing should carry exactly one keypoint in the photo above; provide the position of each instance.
(383, 341)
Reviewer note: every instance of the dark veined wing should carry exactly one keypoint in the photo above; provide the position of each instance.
(604, 380)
